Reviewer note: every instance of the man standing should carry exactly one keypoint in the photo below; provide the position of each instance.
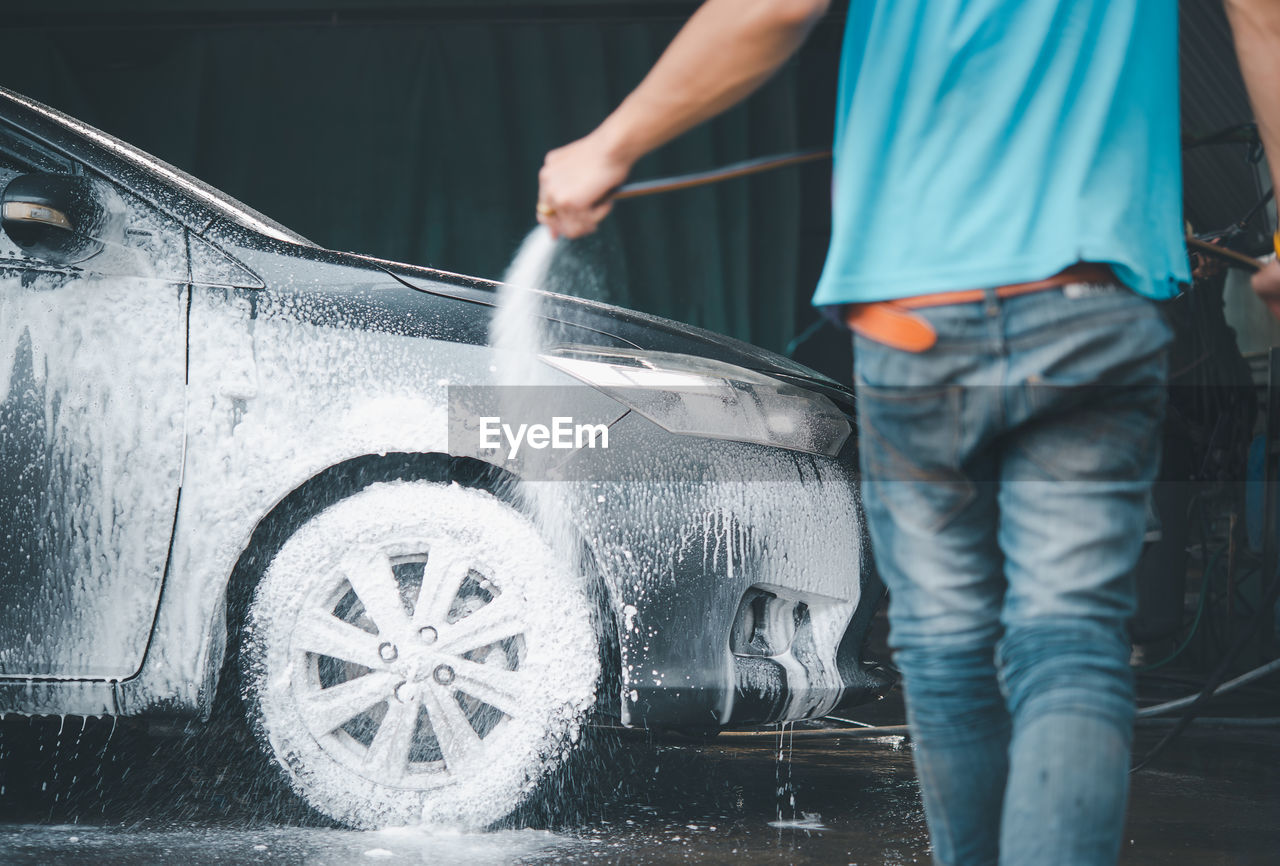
(1007, 207)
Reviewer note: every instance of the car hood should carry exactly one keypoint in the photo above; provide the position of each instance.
(641, 330)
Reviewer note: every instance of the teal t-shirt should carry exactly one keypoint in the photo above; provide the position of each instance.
(987, 142)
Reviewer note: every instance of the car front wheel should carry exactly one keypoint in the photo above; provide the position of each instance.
(417, 653)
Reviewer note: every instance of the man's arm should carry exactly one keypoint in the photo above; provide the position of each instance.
(1256, 27)
(725, 51)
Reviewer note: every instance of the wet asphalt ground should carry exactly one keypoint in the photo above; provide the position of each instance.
(90, 792)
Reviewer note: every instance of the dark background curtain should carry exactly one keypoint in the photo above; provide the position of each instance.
(413, 130)
(415, 134)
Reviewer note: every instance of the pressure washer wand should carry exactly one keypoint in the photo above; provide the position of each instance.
(1231, 257)
(768, 163)
(715, 175)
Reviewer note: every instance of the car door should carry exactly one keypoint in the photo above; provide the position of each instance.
(92, 377)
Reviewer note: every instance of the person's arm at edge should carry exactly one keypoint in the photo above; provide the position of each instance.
(1255, 24)
(723, 54)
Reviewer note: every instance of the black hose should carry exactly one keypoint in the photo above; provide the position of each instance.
(1219, 674)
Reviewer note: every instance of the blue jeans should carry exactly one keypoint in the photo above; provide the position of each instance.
(1005, 473)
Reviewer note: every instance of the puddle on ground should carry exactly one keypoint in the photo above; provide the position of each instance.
(128, 797)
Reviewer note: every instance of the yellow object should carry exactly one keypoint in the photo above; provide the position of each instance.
(30, 212)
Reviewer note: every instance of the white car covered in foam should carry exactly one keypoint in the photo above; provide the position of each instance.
(235, 466)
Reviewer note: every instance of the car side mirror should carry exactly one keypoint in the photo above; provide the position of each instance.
(61, 219)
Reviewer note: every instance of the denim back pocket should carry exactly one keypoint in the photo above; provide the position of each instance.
(910, 443)
(1098, 400)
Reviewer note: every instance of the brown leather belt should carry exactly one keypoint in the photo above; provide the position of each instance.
(893, 324)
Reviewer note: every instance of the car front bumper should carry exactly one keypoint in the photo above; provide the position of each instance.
(738, 575)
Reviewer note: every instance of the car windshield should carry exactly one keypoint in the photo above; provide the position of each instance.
(207, 195)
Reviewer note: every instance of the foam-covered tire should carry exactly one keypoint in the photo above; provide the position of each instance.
(417, 653)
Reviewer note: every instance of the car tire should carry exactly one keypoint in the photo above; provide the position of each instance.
(417, 653)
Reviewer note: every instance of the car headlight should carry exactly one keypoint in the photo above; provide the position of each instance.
(700, 397)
